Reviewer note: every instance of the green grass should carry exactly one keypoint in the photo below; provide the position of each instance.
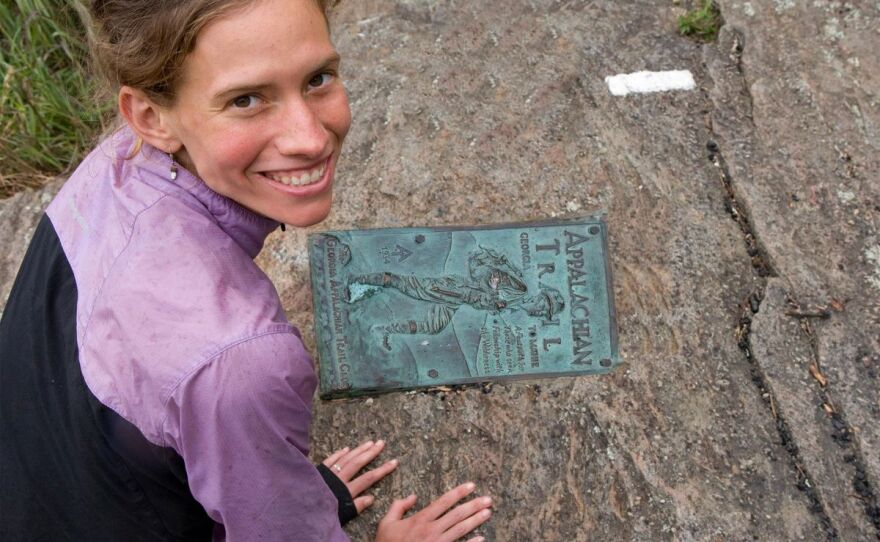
(50, 116)
(702, 22)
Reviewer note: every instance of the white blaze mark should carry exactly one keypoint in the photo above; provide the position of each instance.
(623, 84)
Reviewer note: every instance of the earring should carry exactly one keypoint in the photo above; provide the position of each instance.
(173, 173)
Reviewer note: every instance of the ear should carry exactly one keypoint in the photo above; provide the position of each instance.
(150, 121)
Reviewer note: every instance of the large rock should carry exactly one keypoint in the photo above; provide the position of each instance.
(463, 116)
(496, 111)
(797, 117)
(19, 216)
(814, 430)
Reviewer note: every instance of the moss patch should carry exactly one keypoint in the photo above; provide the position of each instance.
(702, 22)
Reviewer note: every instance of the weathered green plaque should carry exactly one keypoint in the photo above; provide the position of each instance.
(406, 308)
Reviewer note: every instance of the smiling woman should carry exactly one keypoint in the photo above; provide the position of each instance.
(261, 114)
(152, 386)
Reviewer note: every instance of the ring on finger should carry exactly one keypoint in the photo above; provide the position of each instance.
(336, 467)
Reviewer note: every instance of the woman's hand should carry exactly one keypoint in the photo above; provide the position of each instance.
(346, 463)
(436, 522)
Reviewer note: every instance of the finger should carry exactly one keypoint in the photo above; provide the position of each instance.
(447, 500)
(477, 539)
(465, 526)
(355, 464)
(463, 511)
(362, 503)
(399, 507)
(366, 480)
(336, 456)
(354, 453)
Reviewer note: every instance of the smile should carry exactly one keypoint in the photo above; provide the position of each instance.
(291, 178)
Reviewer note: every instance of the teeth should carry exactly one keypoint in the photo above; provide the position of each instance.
(307, 178)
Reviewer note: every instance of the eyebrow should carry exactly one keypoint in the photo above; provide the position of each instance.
(257, 87)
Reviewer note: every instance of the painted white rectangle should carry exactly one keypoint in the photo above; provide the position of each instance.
(625, 83)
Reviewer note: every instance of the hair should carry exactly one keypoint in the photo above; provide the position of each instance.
(144, 43)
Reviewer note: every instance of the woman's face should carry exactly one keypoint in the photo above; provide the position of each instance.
(261, 112)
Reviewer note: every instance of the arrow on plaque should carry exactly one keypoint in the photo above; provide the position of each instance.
(401, 253)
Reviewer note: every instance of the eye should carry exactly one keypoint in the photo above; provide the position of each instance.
(245, 101)
(320, 79)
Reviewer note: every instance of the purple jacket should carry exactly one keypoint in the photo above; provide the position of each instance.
(180, 334)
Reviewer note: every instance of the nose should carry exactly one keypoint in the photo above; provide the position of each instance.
(301, 131)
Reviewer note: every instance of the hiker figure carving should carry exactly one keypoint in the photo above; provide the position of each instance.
(493, 284)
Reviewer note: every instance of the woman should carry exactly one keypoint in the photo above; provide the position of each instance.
(152, 387)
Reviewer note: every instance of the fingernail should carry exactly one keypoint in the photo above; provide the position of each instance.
(479, 539)
(470, 486)
(369, 443)
(380, 443)
(486, 512)
(486, 501)
(394, 462)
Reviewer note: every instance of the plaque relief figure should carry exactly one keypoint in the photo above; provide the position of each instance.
(493, 285)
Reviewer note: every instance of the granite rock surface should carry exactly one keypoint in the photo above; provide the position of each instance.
(745, 249)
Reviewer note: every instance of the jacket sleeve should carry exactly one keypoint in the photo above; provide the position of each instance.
(241, 423)
(346, 510)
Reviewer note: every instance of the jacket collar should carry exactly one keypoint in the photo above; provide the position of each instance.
(247, 228)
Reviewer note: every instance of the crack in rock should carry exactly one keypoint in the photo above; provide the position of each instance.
(737, 46)
(802, 476)
(843, 434)
(761, 266)
(759, 259)
(731, 45)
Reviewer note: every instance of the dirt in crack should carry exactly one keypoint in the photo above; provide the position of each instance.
(750, 306)
(842, 433)
(759, 260)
